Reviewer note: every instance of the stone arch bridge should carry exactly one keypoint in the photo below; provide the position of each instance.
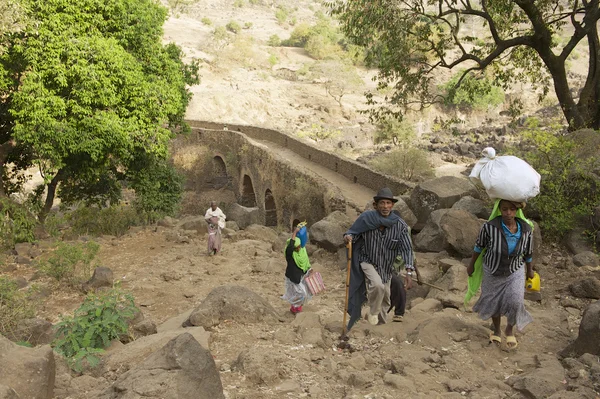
(278, 175)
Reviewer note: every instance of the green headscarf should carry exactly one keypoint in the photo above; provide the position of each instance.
(474, 281)
(300, 257)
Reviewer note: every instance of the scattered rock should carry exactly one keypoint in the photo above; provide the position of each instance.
(35, 331)
(232, 303)
(588, 340)
(439, 193)
(586, 258)
(30, 372)
(182, 369)
(102, 277)
(328, 233)
(586, 288)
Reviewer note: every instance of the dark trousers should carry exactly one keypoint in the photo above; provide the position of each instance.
(397, 296)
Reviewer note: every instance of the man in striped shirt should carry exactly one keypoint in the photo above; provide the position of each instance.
(378, 245)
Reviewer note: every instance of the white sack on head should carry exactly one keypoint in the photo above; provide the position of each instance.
(506, 177)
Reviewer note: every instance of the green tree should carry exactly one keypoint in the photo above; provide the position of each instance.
(339, 78)
(409, 41)
(398, 132)
(87, 88)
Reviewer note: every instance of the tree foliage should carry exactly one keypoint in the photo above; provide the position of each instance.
(86, 89)
(409, 40)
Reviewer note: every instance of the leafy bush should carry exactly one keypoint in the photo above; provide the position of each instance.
(14, 305)
(70, 262)
(273, 59)
(206, 21)
(114, 220)
(409, 164)
(248, 25)
(233, 26)
(274, 41)
(17, 224)
(100, 319)
(319, 133)
(158, 187)
(255, 2)
(239, 3)
(397, 132)
(569, 167)
(473, 93)
(281, 15)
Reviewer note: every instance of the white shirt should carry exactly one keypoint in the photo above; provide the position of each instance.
(218, 213)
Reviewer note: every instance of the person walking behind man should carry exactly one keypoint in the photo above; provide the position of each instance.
(298, 268)
(378, 237)
(215, 218)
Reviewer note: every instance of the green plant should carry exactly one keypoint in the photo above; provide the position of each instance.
(398, 132)
(233, 26)
(255, 2)
(473, 93)
(273, 59)
(248, 25)
(54, 223)
(206, 21)
(319, 133)
(100, 319)
(568, 166)
(274, 41)
(15, 305)
(70, 262)
(115, 220)
(281, 15)
(17, 224)
(221, 36)
(239, 3)
(410, 164)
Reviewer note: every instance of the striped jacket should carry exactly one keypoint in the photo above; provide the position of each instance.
(381, 247)
(496, 257)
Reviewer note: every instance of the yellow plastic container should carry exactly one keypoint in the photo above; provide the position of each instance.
(533, 284)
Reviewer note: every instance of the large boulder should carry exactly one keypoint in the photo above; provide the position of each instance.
(243, 216)
(449, 229)
(440, 193)
(588, 287)
(586, 258)
(197, 223)
(461, 229)
(576, 241)
(231, 302)
(30, 372)
(102, 277)
(542, 381)
(259, 232)
(474, 206)
(431, 238)
(328, 233)
(588, 340)
(454, 282)
(182, 369)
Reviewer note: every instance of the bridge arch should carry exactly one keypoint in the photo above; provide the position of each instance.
(270, 209)
(248, 196)
(219, 172)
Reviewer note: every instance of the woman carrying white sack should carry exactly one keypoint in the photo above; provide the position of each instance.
(503, 251)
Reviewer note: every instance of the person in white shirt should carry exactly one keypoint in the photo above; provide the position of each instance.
(215, 218)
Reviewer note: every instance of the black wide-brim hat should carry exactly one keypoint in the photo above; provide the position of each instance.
(385, 193)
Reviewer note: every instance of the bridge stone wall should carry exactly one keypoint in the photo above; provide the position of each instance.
(352, 170)
(271, 180)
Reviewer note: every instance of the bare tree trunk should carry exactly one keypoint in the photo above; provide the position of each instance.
(50, 196)
(589, 99)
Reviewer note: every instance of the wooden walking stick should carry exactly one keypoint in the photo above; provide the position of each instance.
(349, 247)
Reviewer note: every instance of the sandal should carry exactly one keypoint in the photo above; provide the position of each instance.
(495, 339)
(398, 318)
(511, 342)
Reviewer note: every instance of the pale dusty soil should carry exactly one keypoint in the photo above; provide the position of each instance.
(168, 279)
